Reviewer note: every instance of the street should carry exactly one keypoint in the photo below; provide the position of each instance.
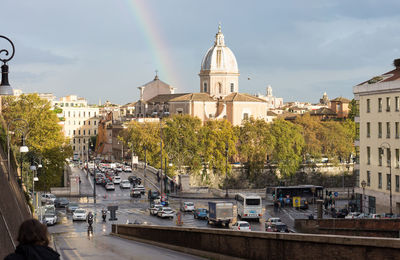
(73, 241)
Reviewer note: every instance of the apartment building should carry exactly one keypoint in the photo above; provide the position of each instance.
(80, 122)
(379, 142)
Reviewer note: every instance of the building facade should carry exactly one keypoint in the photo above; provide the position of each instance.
(80, 122)
(378, 169)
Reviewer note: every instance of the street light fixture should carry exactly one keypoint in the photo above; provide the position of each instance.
(5, 88)
(363, 184)
(389, 161)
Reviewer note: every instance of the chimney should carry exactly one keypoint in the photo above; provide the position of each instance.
(396, 63)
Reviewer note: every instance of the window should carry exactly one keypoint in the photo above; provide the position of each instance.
(387, 129)
(79, 140)
(388, 182)
(74, 132)
(205, 86)
(245, 116)
(73, 147)
(79, 132)
(84, 113)
(74, 113)
(387, 104)
(79, 122)
(388, 157)
(95, 132)
(396, 103)
(379, 180)
(84, 140)
(84, 122)
(368, 105)
(368, 129)
(368, 155)
(84, 132)
(397, 158)
(94, 114)
(379, 104)
(94, 122)
(397, 129)
(380, 153)
(220, 88)
(232, 87)
(69, 113)
(89, 122)
(89, 132)
(74, 140)
(379, 129)
(218, 58)
(368, 178)
(397, 183)
(84, 147)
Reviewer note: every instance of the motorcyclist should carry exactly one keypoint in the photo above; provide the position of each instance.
(90, 218)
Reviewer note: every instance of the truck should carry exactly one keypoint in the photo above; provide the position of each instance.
(220, 213)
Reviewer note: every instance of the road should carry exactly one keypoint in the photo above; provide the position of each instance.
(72, 240)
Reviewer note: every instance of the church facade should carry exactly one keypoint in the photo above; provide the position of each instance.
(219, 96)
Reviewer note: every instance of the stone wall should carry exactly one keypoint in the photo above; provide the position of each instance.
(354, 227)
(226, 244)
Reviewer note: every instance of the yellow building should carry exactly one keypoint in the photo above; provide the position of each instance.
(379, 146)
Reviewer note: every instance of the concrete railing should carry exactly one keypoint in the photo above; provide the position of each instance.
(227, 244)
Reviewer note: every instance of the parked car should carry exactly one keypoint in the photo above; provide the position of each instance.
(375, 216)
(132, 178)
(117, 179)
(152, 195)
(79, 214)
(352, 215)
(61, 202)
(187, 207)
(135, 192)
(48, 198)
(153, 210)
(280, 227)
(127, 169)
(72, 207)
(241, 226)
(50, 218)
(110, 186)
(200, 213)
(165, 212)
(364, 215)
(125, 184)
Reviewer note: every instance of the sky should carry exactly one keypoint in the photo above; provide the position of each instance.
(103, 50)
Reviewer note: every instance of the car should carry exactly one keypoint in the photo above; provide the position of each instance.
(165, 212)
(117, 179)
(187, 207)
(118, 169)
(48, 198)
(153, 210)
(241, 226)
(61, 202)
(141, 188)
(127, 169)
(135, 192)
(79, 214)
(270, 221)
(363, 215)
(152, 195)
(132, 178)
(352, 215)
(280, 227)
(125, 184)
(50, 218)
(72, 207)
(376, 216)
(200, 213)
(110, 186)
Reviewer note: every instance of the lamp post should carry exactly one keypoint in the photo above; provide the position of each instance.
(226, 169)
(161, 157)
(389, 161)
(34, 178)
(8, 142)
(363, 184)
(5, 88)
(145, 163)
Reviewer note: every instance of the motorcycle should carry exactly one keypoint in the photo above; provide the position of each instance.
(104, 215)
(90, 221)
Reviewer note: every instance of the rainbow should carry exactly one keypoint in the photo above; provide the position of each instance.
(157, 45)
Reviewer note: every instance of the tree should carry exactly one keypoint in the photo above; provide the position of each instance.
(353, 109)
(44, 135)
(312, 130)
(255, 143)
(181, 138)
(338, 138)
(288, 146)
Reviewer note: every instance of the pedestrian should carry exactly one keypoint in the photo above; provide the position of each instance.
(33, 239)
(279, 205)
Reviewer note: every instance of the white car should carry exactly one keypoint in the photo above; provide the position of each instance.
(125, 184)
(141, 188)
(155, 209)
(50, 219)
(117, 180)
(127, 169)
(48, 198)
(352, 215)
(271, 221)
(79, 214)
(110, 186)
(165, 212)
(241, 226)
(187, 207)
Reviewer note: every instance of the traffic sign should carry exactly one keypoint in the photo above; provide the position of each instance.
(296, 202)
(336, 194)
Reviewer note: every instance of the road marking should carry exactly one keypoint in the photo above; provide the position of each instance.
(288, 214)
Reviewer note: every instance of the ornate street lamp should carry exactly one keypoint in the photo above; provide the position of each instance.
(5, 88)
(363, 184)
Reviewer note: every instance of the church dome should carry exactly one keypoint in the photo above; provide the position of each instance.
(219, 58)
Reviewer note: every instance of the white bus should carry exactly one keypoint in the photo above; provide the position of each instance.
(249, 206)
